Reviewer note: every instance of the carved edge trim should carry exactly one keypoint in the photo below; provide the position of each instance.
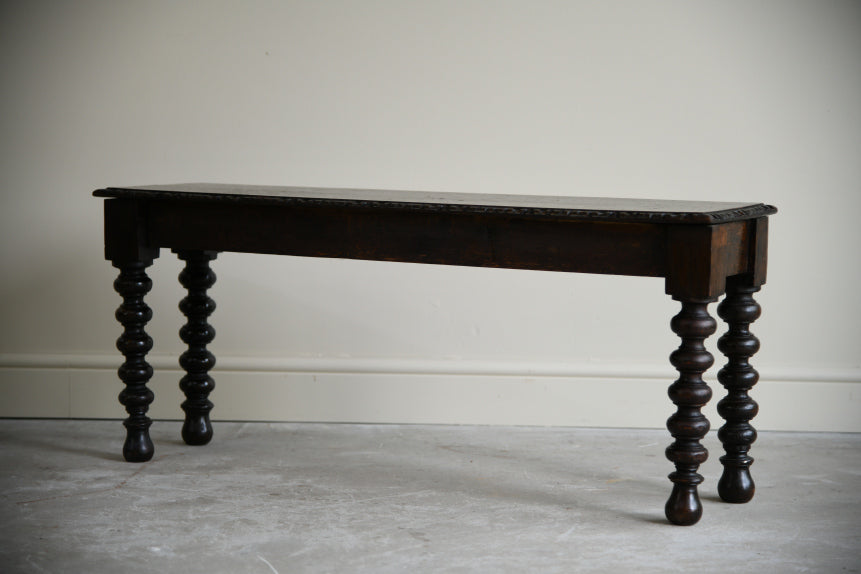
(752, 211)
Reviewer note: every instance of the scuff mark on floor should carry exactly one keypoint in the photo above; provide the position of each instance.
(271, 567)
(117, 486)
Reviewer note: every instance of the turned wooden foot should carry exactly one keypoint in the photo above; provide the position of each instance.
(197, 277)
(688, 425)
(739, 310)
(132, 284)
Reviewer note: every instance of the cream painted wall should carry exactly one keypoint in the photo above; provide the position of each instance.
(671, 99)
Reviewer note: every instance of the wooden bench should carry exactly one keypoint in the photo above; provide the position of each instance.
(701, 249)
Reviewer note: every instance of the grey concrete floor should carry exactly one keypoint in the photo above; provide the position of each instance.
(282, 498)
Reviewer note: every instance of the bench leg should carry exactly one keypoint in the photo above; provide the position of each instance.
(197, 277)
(132, 284)
(739, 310)
(688, 425)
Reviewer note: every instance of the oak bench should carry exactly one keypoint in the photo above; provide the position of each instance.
(701, 249)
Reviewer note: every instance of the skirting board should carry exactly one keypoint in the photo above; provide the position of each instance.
(421, 392)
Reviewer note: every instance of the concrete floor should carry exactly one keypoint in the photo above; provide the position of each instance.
(282, 498)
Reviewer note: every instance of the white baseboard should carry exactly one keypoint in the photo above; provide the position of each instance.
(421, 391)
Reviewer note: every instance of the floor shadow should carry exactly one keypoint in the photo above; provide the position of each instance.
(650, 518)
(47, 445)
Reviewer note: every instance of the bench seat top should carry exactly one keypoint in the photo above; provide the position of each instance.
(543, 206)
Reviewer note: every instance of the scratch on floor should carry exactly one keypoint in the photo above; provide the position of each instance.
(271, 567)
(387, 497)
(118, 486)
(566, 534)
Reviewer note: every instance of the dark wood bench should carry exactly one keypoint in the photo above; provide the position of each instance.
(701, 249)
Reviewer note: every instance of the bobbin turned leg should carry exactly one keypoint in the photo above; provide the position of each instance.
(197, 277)
(688, 425)
(739, 310)
(132, 284)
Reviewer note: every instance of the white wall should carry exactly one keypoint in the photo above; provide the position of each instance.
(744, 101)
